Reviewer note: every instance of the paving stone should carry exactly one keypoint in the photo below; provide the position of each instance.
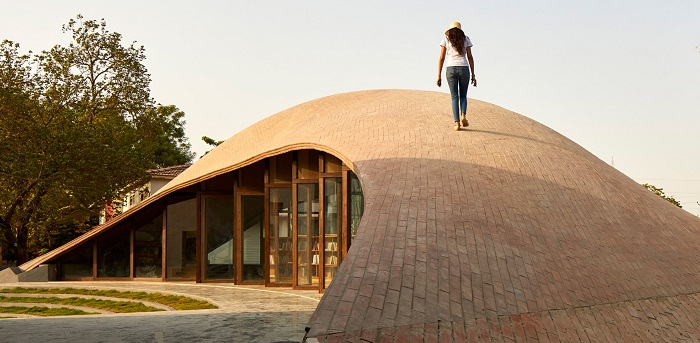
(245, 314)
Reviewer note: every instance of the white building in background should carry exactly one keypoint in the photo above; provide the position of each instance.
(159, 178)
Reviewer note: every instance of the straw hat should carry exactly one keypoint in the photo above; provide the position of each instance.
(453, 25)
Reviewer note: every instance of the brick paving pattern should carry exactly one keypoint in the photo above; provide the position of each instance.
(507, 231)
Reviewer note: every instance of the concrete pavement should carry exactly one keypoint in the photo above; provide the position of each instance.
(245, 314)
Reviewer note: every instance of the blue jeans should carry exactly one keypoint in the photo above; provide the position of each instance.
(458, 80)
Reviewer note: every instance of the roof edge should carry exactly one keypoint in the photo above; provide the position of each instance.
(33, 263)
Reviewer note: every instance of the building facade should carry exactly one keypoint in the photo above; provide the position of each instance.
(286, 220)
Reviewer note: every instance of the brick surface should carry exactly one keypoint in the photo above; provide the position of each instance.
(481, 227)
(508, 219)
(660, 319)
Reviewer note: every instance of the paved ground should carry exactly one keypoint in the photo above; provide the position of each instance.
(245, 314)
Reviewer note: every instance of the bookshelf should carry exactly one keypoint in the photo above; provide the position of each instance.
(332, 224)
(308, 243)
(281, 260)
(281, 257)
(331, 258)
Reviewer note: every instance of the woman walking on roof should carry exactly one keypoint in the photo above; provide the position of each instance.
(460, 64)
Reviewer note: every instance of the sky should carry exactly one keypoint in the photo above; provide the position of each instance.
(619, 77)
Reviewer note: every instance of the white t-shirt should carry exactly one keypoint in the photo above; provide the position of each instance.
(452, 58)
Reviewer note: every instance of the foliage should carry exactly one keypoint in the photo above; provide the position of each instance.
(173, 147)
(43, 241)
(660, 192)
(175, 301)
(77, 126)
(210, 141)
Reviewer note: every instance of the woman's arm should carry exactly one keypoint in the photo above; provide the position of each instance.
(470, 58)
(441, 61)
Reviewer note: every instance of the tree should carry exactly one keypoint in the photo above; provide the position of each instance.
(77, 126)
(173, 147)
(212, 142)
(660, 192)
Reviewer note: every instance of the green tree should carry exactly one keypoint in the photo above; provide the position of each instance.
(173, 147)
(77, 126)
(212, 142)
(660, 192)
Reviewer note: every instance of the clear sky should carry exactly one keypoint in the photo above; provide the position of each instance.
(619, 77)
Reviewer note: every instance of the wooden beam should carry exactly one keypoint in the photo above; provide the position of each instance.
(94, 259)
(199, 239)
(164, 246)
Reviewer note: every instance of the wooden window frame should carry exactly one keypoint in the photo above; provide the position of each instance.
(267, 266)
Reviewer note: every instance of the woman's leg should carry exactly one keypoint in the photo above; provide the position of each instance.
(463, 87)
(453, 82)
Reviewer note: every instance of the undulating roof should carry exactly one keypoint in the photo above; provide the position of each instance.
(507, 230)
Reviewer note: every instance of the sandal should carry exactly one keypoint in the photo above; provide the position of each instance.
(465, 122)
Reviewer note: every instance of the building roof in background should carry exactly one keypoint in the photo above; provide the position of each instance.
(169, 172)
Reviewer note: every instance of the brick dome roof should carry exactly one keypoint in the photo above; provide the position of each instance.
(505, 229)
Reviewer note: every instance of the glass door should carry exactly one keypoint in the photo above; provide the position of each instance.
(281, 244)
(332, 222)
(218, 237)
(252, 221)
(148, 246)
(181, 241)
(307, 235)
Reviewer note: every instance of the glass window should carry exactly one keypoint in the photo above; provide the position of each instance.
(281, 168)
(332, 164)
(307, 164)
(357, 204)
(307, 234)
(148, 246)
(222, 182)
(280, 235)
(332, 222)
(77, 263)
(218, 230)
(253, 214)
(182, 240)
(113, 254)
(253, 176)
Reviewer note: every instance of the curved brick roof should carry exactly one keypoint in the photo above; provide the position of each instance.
(506, 230)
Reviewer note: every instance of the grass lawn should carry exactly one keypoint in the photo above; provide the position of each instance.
(175, 301)
(109, 305)
(42, 311)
